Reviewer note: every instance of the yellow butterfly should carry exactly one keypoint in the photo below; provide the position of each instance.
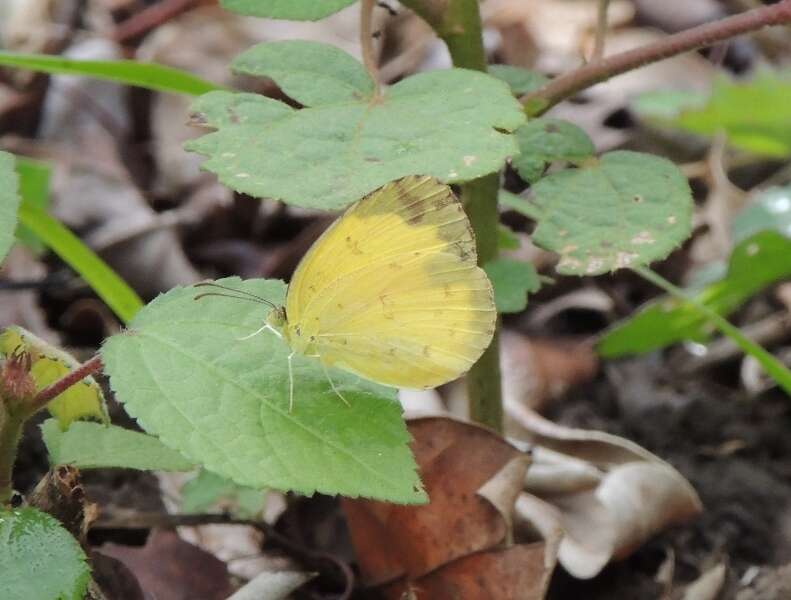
(392, 291)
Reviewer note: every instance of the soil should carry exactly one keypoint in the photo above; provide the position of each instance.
(735, 451)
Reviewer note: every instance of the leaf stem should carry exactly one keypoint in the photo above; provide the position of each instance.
(48, 393)
(596, 71)
(771, 365)
(367, 43)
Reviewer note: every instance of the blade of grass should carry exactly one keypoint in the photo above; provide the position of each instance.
(34, 189)
(770, 364)
(105, 282)
(146, 75)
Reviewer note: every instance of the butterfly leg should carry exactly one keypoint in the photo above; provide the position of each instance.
(259, 330)
(290, 384)
(332, 385)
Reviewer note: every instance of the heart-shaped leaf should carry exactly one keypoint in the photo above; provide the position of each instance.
(624, 210)
(451, 124)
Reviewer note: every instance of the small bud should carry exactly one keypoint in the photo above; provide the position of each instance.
(16, 384)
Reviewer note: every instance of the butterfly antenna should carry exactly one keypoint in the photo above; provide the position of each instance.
(249, 295)
(332, 385)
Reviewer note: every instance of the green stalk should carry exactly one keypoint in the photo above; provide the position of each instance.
(458, 23)
(770, 364)
(10, 434)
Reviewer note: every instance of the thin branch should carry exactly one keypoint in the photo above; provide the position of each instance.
(594, 72)
(367, 43)
(150, 18)
(601, 30)
(48, 393)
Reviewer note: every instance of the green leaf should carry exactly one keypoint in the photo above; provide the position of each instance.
(626, 209)
(108, 286)
(146, 75)
(309, 72)
(9, 202)
(39, 558)
(451, 124)
(754, 264)
(208, 490)
(93, 445)
(545, 140)
(295, 10)
(519, 204)
(221, 109)
(521, 81)
(664, 106)
(506, 239)
(770, 209)
(83, 400)
(755, 115)
(34, 190)
(188, 376)
(512, 280)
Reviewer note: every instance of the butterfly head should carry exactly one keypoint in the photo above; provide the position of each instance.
(277, 318)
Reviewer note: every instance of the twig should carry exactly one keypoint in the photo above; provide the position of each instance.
(48, 393)
(150, 18)
(367, 43)
(594, 72)
(148, 520)
(601, 30)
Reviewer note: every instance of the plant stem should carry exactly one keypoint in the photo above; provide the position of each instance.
(601, 30)
(594, 72)
(367, 43)
(12, 419)
(484, 396)
(771, 365)
(48, 393)
(458, 23)
(10, 433)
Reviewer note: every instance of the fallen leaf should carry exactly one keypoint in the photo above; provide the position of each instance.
(168, 567)
(708, 586)
(92, 189)
(601, 503)
(271, 585)
(457, 460)
(20, 307)
(516, 573)
(539, 371)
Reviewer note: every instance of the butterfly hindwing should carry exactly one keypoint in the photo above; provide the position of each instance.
(392, 290)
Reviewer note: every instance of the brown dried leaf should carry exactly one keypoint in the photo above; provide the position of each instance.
(516, 573)
(456, 461)
(168, 567)
(535, 372)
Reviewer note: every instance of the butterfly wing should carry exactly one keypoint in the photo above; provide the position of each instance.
(392, 291)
